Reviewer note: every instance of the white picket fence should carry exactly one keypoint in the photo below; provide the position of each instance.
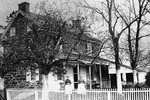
(103, 94)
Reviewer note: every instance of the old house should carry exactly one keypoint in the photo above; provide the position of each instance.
(84, 52)
(96, 75)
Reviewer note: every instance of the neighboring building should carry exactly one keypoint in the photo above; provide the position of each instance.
(97, 75)
(126, 75)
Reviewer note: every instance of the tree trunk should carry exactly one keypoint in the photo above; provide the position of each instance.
(134, 76)
(117, 63)
(119, 83)
(45, 88)
(49, 85)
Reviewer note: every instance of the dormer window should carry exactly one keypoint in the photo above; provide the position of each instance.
(13, 31)
(89, 49)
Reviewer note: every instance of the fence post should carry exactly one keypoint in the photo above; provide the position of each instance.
(36, 93)
(108, 94)
(8, 94)
(69, 96)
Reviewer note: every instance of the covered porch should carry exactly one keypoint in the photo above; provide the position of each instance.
(95, 75)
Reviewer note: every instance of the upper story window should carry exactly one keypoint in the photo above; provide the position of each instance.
(28, 29)
(89, 49)
(13, 31)
(76, 49)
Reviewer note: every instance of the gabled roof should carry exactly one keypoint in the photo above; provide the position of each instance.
(32, 16)
(91, 38)
(29, 15)
(11, 21)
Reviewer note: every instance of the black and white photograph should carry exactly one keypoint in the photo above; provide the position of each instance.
(74, 49)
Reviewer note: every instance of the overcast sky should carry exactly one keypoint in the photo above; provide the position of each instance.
(7, 6)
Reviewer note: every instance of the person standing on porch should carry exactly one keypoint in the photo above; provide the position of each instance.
(81, 86)
(68, 88)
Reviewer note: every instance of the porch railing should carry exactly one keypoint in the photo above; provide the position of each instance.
(103, 94)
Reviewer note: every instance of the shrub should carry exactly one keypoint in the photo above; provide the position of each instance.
(128, 85)
(138, 85)
(141, 85)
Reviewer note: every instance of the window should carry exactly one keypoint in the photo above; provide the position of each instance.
(28, 76)
(12, 31)
(89, 49)
(59, 76)
(28, 29)
(32, 76)
(129, 77)
(76, 49)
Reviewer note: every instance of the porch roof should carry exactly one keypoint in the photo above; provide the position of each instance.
(88, 60)
(85, 59)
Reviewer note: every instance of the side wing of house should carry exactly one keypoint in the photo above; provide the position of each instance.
(126, 75)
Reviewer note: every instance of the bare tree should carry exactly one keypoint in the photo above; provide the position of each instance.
(135, 33)
(112, 19)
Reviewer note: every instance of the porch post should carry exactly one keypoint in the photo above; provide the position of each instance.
(78, 70)
(100, 75)
(64, 74)
(90, 77)
(36, 94)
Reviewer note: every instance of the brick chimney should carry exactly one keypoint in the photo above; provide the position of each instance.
(24, 6)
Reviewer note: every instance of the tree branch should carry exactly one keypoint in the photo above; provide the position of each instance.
(100, 49)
